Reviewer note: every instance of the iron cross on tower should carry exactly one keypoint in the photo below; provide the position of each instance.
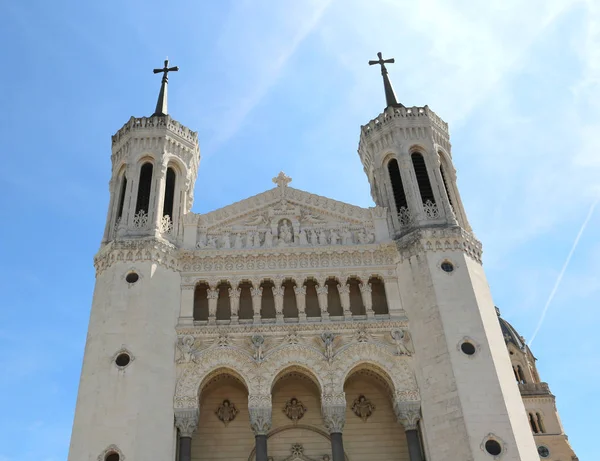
(390, 96)
(161, 104)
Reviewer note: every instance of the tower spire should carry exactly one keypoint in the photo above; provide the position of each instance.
(390, 96)
(161, 104)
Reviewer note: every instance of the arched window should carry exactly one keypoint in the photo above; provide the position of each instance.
(312, 300)
(290, 308)
(357, 306)
(144, 188)
(121, 202)
(446, 185)
(267, 303)
(201, 302)
(169, 193)
(334, 304)
(422, 178)
(380, 305)
(223, 303)
(516, 374)
(540, 423)
(532, 423)
(397, 187)
(245, 311)
(521, 375)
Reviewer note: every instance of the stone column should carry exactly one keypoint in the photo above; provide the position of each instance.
(344, 291)
(256, 301)
(301, 302)
(186, 307)
(322, 298)
(156, 213)
(408, 414)
(234, 302)
(392, 294)
(443, 194)
(367, 297)
(278, 297)
(187, 422)
(212, 295)
(260, 409)
(333, 409)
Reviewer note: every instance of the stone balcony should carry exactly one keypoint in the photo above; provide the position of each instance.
(534, 389)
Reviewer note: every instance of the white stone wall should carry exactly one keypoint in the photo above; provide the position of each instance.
(131, 408)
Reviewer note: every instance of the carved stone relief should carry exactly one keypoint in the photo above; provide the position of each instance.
(363, 407)
(294, 409)
(226, 412)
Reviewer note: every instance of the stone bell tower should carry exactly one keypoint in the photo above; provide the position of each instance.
(471, 405)
(125, 399)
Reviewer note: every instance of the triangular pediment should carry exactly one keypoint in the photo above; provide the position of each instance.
(286, 216)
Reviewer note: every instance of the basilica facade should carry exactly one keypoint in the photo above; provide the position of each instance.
(290, 326)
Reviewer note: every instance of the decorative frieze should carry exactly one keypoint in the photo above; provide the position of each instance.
(424, 240)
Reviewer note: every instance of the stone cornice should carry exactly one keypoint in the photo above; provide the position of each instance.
(422, 240)
(143, 249)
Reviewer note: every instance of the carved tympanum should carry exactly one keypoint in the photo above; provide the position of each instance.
(226, 412)
(294, 409)
(363, 407)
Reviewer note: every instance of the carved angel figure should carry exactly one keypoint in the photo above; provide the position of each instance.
(258, 341)
(186, 349)
(328, 341)
(238, 241)
(226, 412)
(294, 409)
(256, 240)
(363, 407)
(302, 237)
(312, 219)
(347, 237)
(269, 238)
(258, 220)
(322, 237)
(400, 338)
(334, 238)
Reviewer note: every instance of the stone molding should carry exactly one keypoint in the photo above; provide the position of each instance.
(408, 413)
(423, 240)
(306, 352)
(136, 250)
(186, 420)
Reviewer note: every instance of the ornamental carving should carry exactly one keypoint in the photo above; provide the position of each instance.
(294, 409)
(226, 412)
(363, 407)
(186, 349)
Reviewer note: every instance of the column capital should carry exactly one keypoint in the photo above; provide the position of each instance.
(408, 413)
(186, 420)
(333, 409)
(260, 411)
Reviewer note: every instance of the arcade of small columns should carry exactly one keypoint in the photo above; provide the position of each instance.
(268, 421)
(286, 300)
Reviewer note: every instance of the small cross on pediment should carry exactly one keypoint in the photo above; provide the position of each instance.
(282, 180)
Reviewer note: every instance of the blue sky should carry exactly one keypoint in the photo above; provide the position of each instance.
(271, 86)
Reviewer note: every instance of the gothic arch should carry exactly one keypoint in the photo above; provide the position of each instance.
(221, 372)
(399, 375)
(310, 361)
(299, 369)
(189, 384)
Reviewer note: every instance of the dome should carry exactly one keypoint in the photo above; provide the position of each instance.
(510, 334)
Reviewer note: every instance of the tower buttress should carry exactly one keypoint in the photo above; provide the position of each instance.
(471, 405)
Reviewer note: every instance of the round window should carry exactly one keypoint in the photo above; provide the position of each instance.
(132, 277)
(112, 457)
(493, 447)
(543, 451)
(122, 359)
(447, 266)
(467, 348)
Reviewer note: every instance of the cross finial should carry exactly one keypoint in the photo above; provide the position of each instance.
(390, 96)
(282, 180)
(161, 104)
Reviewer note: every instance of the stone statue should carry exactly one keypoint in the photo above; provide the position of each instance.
(238, 241)
(400, 338)
(362, 237)
(313, 237)
(226, 240)
(328, 338)
(363, 408)
(258, 341)
(212, 242)
(268, 238)
(302, 237)
(286, 233)
(322, 237)
(334, 238)
(186, 349)
(226, 412)
(347, 237)
(249, 236)
(294, 409)
(256, 240)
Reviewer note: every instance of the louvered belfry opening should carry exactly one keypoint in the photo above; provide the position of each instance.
(446, 185)
(397, 186)
(122, 197)
(422, 178)
(143, 198)
(169, 193)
